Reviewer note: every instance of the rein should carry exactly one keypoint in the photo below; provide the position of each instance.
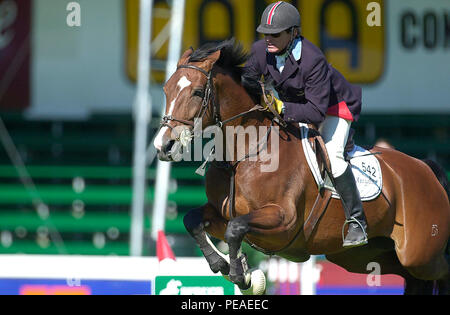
(270, 104)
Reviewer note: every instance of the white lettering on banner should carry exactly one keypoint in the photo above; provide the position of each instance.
(201, 291)
(74, 17)
(418, 43)
(73, 282)
(8, 15)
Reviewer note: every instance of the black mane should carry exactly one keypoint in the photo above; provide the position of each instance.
(232, 58)
(232, 54)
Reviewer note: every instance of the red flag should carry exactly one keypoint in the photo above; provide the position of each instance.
(163, 249)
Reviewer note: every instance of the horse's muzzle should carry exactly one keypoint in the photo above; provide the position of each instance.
(171, 151)
(165, 154)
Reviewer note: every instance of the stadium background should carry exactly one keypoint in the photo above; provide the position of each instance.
(66, 96)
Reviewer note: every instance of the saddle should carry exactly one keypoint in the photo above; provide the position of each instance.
(325, 194)
(365, 168)
(318, 146)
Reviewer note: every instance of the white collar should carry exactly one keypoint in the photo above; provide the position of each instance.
(296, 53)
(297, 50)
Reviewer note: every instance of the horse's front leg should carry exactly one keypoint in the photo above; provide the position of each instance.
(235, 233)
(266, 220)
(196, 221)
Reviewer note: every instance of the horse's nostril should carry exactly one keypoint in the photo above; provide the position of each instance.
(167, 146)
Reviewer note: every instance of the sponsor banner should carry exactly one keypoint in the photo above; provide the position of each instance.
(335, 280)
(15, 23)
(417, 71)
(398, 51)
(193, 285)
(350, 34)
(73, 287)
(339, 28)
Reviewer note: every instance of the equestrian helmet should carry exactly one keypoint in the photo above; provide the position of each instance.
(277, 17)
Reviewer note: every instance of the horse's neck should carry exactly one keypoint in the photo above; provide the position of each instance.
(233, 100)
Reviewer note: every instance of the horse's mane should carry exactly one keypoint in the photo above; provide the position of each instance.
(232, 58)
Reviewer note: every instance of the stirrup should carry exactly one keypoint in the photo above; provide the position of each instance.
(354, 220)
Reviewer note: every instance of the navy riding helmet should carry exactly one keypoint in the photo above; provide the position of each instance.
(277, 17)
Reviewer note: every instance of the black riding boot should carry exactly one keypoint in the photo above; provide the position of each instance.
(354, 212)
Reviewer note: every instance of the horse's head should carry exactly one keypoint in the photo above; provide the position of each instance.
(189, 94)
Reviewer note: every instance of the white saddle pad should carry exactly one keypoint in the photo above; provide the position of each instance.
(365, 166)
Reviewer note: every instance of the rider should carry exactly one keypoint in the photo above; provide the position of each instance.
(311, 91)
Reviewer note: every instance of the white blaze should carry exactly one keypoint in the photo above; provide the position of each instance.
(182, 84)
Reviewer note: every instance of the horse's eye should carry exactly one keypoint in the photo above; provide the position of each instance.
(199, 93)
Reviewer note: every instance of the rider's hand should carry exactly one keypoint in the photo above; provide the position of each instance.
(277, 104)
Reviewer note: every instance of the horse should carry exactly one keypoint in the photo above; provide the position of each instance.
(408, 224)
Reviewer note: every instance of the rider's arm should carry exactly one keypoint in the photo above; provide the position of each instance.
(256, 65)
(317, 95)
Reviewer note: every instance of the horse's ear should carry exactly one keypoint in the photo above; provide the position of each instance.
(185, 56)
(212, 59)
(214, 56)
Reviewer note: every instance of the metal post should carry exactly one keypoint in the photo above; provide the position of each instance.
(309, 276)
(142, 115)
(163, 168)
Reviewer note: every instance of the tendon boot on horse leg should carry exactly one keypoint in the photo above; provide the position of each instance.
(354, 212)
(193, 221)
(236, 230)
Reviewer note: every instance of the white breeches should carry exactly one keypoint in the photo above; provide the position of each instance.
(334, 131)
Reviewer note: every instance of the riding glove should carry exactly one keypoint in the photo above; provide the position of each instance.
(277, 104)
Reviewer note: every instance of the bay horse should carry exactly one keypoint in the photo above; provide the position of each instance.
(409, 222)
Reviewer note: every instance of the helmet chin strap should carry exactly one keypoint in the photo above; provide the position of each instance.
(288, 47)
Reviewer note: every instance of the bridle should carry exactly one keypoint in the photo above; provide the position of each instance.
(208, 98)
(208, 95)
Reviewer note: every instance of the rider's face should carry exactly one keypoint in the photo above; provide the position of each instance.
(276, 43)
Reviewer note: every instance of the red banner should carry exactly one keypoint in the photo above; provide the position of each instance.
(15, 26)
